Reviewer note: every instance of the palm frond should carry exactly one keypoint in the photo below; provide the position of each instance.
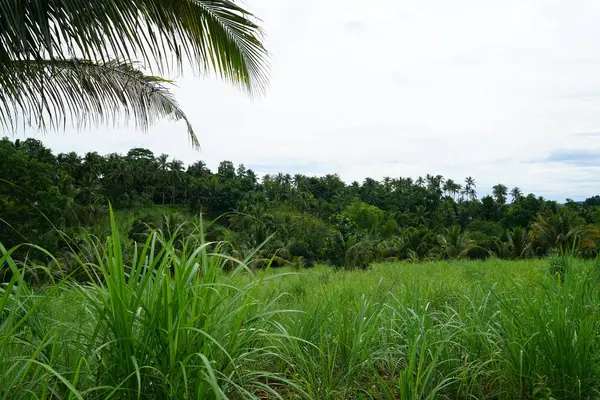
(50, 93)
(212, 35)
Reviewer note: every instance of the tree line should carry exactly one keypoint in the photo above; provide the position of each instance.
(298, 219)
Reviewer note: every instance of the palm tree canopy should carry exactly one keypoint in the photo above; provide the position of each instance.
(73, 60)
(456, 244)
(500, 191)
(517, 241)
(561, 230)
(516, 193)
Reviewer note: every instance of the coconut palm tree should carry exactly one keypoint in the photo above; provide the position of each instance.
(435, 183)
(92, 164)
(421, 215)
(448, 186)
(198, 169)
(298, 180)
(452, 187)
(562, 230)
(500, 191)
(457, 190)
(79, 61)
(516, 194)
(176, 172)
(162, 173)
(122, 176)
(88, 189)
(517, 242)
(414, 243)
(456, 244)
(70, 162)
(469, 189)
(303, 200)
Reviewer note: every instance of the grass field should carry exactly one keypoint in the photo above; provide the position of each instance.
(168, 323)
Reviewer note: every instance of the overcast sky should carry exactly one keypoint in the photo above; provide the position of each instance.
(506, 91)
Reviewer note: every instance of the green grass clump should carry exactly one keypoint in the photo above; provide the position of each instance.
(167, 322)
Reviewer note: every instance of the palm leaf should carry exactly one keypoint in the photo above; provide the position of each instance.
(210, 35)
(50, 93)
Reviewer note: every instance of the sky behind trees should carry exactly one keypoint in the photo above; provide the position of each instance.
(505, 91)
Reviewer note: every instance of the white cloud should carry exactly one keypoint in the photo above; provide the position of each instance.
(402, 88)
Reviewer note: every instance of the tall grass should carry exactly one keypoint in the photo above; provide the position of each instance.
(165, 324)
(165, 321)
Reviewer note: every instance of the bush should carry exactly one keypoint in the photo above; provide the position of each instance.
(360, 255)
(141, 227)
(334, 251)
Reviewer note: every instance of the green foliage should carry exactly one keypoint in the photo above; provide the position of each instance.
(168, 323)
(334, 249)
(417, 244)
(307, 219)
(359, 254)
(517, 242)
(366, 217)
(559, 265)
(562, 230)
(30, 199)
(388, 228)
(74, 61)
(456, 244)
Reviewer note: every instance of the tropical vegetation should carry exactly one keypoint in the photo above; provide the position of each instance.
(134, 276)
(179, 318)
(52, 200)
(88, 62)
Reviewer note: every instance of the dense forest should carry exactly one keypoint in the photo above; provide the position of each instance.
(50, 200)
